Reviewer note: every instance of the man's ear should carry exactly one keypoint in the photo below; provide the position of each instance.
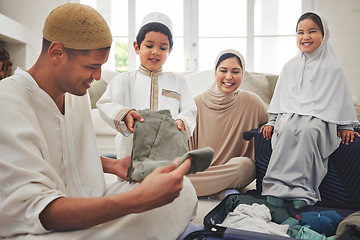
(56, 51)
(136, 47)
(170, 51)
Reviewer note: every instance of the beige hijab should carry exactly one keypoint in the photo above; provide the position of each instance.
(214, 98)
(223, 118)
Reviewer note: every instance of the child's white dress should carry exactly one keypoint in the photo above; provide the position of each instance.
(310, 103)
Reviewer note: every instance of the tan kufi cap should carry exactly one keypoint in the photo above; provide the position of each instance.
(77, 26)
(158, 17)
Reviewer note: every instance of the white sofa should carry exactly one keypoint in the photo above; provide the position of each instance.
(198, 82)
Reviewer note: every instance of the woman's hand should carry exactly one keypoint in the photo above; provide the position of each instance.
(347, 135)
(267, 131)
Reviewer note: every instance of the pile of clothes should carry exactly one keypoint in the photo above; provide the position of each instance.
(254, 214)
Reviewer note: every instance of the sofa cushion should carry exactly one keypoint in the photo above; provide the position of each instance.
(96, 91)
(272, 79)
(98, 87)
(257, 83)
(198, 82)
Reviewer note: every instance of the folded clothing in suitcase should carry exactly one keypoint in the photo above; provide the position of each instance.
(214, 219)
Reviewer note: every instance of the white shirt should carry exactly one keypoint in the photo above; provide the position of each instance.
(133, 90)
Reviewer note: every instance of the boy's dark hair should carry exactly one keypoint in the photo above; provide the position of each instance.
(313, 17)
(154, 27)
(226, 56)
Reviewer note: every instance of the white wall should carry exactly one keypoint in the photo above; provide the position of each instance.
(32, 14)
(344, 21)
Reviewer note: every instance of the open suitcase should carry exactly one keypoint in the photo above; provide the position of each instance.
(217, 215)
(340, 191)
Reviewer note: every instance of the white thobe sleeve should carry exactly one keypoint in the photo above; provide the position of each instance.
(111, 105)
(345, 127)
(187, 110)
(272, 119)
(28, 182)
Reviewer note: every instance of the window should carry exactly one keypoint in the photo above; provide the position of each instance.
(262, 30)
(274, 33)
(221, 26)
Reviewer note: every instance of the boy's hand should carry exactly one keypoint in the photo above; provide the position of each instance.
(180, 124)
(130, 118)
(267, 131)
(347, 135)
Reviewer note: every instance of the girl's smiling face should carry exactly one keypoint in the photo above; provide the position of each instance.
(309, 36)
(229, 75)
(153, 50)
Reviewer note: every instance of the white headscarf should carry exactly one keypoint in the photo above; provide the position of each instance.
(214, 98)
(314, 84)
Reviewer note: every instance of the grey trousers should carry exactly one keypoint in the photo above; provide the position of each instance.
(157, 142)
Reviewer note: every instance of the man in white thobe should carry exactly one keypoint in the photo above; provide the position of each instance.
(52, 176)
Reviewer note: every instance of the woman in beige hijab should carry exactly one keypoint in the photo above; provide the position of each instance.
(224, 114)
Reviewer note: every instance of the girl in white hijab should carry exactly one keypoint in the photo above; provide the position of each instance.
(224, 113)
(311, 112)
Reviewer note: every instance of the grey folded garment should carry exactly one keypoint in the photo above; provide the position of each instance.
(157, 142)
(200, 161)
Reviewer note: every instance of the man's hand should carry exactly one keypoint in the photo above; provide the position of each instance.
(347, 135)
(163, 185)
(267, 131)
(159, 188)
(118, 167)
(130, 119)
